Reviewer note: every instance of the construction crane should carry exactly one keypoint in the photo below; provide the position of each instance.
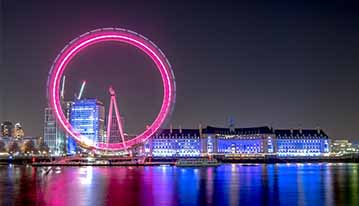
(81, 90)
(63, 88)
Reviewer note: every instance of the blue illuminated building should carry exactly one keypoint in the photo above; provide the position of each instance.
(175, 143)
(71, 145)
(302, 142)
(253, 141)
(87, 118)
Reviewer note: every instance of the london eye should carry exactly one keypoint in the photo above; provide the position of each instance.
(105, 35)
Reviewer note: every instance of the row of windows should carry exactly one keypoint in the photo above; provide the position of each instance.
(176, 137)
(298, 151)
(293, 147)
(241, 138)
(300, 137)
(299, 141)
(171, 140)
(239, 151)
(175, 143)
(170, 147)
(174, 151)
(238, 145)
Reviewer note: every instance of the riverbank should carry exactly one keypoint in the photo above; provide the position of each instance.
(80, 164)
(50, 161)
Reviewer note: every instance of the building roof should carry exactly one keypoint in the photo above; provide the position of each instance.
(191, 132)
(87, 101)
(280, 133)
(289, 133)
(238, 131)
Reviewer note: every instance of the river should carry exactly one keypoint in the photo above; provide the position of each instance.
(229, 184)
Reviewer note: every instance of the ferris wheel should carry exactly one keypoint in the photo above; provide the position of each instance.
(105, 35)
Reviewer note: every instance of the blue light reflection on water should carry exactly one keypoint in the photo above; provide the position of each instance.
(229, 184)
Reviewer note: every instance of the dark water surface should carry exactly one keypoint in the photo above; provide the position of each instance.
(229, 184)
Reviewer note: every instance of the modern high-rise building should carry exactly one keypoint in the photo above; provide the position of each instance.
(54, 136)
(87, 118)
(6, 129)
(18, 131)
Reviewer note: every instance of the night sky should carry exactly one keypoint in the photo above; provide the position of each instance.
(285, 64)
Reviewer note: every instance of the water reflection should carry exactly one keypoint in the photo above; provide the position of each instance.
(231, 184)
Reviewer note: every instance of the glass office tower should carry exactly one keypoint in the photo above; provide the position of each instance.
(87, 117)
(54, 136)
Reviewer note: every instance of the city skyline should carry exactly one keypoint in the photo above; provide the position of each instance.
(179, 102)
(299, 76)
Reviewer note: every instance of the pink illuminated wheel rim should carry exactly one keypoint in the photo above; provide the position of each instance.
(104, 35)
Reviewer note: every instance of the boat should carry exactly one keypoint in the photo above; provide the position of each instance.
(197, 162)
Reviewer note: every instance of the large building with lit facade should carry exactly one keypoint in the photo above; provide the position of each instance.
(302, 142)
(254, 141)
(343, 147)
(6, 129)
(10, 130)
(18, 131)
(54, 136)
(175, 143)
(87, 117)
(249, 141)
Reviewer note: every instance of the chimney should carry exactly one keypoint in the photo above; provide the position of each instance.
(180, 128)
(231, 124)
(318, 129)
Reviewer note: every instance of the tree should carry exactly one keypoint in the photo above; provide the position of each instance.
(2, 146)
(13, 147)
(43, 146)
(28, 146)
(62, 148)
